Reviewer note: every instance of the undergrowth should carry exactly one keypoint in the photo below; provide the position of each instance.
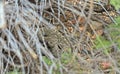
(33, 45)
(116, 4)
(114, 34)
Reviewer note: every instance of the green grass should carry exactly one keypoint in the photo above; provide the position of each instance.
(14, 72)
(114, 32)
(101, 41)
(66, 57)
(47, 60)
(116, 4)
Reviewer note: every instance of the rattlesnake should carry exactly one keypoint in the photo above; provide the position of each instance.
(56, 42)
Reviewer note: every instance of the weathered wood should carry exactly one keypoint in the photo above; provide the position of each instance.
(2, 15)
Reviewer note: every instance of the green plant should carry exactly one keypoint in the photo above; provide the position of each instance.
(116, 4)
(101, 42)
(66, 57)
(14, 72)
(114, 32)
(47, 60)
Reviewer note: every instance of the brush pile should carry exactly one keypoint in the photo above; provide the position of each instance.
(39, 32)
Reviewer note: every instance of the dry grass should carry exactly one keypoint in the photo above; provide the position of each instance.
(42, 38)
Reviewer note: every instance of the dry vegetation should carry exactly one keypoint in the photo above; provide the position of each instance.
(58, 37)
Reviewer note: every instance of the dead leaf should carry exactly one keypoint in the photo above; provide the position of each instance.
(81, 19)
(105, 65)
